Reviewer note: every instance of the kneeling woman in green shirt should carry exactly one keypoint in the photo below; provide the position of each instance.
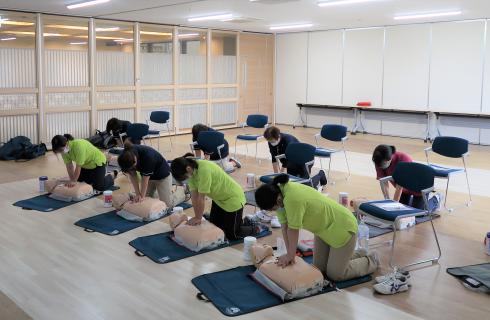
(90, 162)
(334, 226)
(206, 178)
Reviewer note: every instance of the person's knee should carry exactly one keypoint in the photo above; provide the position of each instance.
(335, 274)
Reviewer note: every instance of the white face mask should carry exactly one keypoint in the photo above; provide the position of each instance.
(66, 150)
(385, 165)
(275, 143)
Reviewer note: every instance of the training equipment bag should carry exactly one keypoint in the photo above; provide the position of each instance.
(21, 148)
(102, 140)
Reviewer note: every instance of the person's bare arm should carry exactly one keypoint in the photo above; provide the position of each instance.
(291, 244)
(398, 193)
(198, 204)
(276, 167)
(144, 186)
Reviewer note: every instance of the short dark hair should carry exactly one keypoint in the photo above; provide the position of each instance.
(198, 128)
(126, 159)
(59, 142)
(272, 132)
(383, 153)
(114, 125)
(266, 195)
(178, 167)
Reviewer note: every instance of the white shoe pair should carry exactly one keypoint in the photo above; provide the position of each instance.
(395, 282)
(262, 216)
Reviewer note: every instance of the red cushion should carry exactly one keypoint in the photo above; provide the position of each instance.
(364, 104)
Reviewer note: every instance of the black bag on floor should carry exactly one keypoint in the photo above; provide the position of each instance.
(102, 140)
(21, 148)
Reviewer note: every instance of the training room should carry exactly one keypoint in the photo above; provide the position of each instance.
(258, 159)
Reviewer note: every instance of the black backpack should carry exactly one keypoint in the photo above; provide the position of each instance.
(103, 140)
(21, 148)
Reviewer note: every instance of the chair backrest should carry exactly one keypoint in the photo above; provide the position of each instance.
(257, 120)
(414, 176)
(159, 116)
(209, 141)
(298, 153)
(137, 130)
(452, 147)
(333, 132)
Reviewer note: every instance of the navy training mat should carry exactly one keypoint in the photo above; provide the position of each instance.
(160, 247)
(233, 292)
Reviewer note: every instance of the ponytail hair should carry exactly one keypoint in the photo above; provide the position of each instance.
(178, 167)
(383, 153)
(126, 159)
(59, 142)
(266, 195)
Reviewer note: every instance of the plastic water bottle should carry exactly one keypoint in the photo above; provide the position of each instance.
(363, 236)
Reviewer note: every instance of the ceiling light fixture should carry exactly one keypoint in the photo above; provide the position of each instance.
(7, 39)
(188, 35)
(292, 26)
(123, 40)
(78, 43)
(16, 23)
(153, 33)
(427, 15)
(341, 2)
(86, 4)
(224, 16)
(107, 29)
(60, 26)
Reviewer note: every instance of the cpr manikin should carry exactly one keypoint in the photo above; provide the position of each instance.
(294, 281)
(195, 238)
(148, 209)
(59, 191)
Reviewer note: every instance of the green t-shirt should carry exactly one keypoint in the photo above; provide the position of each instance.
(84, 154)
(306, 208)
(215, 183)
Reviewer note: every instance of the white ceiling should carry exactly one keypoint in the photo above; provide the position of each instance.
(176, 12)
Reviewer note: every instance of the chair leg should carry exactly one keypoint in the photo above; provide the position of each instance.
(169, 136)
(392, 251)
(445, 197)
(235, 146)
(467, 183)
(329, 166)
(256, 148)
(347, 162)
(432, 260)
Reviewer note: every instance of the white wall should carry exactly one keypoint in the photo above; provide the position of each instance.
(435, 66)
(406, 67)
(363, 66)
(325, 56)
(291, 75)
(456, 67)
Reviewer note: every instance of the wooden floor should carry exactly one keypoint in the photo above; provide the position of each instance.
(52, 269)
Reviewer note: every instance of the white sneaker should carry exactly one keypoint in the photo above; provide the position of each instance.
(391, 286)
(275, 222)
(259, 216)
(397, 274)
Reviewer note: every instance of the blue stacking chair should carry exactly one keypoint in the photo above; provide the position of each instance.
(212, 142)
(299, 155)
(136, 131)
(255, 121)
(451, 147)
(335, 133)
(415, 177)
(161, 118)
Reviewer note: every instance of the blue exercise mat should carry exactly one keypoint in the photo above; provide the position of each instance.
(160, 248)
(377, 231)
(44, 203)
(233, 292)
(111, 224)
